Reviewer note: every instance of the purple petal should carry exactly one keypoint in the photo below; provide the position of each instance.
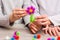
(32, 7)
(28, 8)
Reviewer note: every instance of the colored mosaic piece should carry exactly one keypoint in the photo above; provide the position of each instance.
(52, 38)
(38, 36)
(58, 38)
(18, 33)
(12, 38)
(35, 36)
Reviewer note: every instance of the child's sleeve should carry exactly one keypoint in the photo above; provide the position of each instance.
(55, 20)
(4, 19)
(28, 3)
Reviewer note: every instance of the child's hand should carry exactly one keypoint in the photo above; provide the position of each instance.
(43, 20)
(17, 14)
(53, 31)
(34, 28)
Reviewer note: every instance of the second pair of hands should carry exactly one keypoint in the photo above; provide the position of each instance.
(37, 24)
(44, 20)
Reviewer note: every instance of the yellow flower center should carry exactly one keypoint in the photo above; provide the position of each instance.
(31, 10)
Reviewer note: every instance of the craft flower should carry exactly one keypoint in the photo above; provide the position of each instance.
(30, 10)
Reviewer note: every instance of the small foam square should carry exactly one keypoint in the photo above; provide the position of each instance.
(48, 38)
(58, 38)
(38, 36)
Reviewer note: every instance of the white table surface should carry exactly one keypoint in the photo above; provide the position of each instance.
(25, 33)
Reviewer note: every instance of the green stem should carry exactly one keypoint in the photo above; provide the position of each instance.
(32, 18)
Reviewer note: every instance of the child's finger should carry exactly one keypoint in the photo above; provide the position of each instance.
(33, 31)
(50, 32)
(19, 16)
(45, 29)
(18, 9)
(56, 30)
(38, 26)
(19, 12)
(41, 17)
(32, 27)
(23, 15)
(35, 25)
(53, 31)
(41, 20)
(45, 23)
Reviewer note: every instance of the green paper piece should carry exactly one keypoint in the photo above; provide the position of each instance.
(32, 18)
(18, 33)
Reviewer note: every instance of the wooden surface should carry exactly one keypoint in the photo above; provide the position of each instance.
(25, 33)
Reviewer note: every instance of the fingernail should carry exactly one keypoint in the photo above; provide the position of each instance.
(34, 32)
